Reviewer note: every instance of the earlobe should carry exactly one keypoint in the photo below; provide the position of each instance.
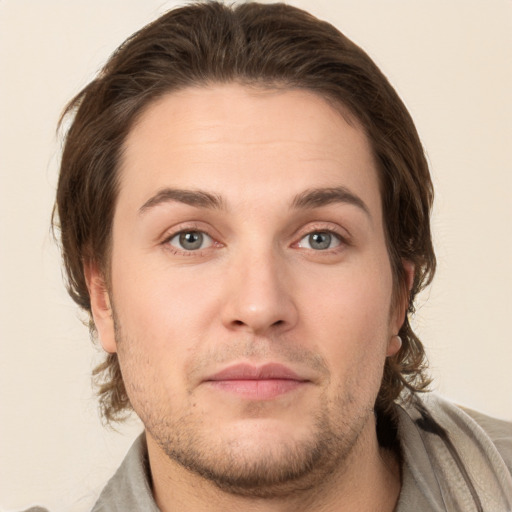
(101, 307)
(394, 345)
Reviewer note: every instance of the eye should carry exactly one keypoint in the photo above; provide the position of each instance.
(191, 240)
(320, 241)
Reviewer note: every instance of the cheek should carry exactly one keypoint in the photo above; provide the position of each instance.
(163, 310)
(350, 316)
(156, 338)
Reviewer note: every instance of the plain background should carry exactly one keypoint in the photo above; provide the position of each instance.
(450, 61)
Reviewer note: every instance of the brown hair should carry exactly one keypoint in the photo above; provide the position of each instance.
(273, 45)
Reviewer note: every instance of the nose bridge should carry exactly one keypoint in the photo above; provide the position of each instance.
(259, 292)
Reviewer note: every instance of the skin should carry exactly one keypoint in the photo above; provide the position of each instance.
(259, 289)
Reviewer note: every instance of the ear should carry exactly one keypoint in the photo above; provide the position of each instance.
(401, 310)
(409, 272)
(101, 307)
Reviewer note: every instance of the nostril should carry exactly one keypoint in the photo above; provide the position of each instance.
(240, 323)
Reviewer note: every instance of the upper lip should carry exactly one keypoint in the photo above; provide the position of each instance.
(244, 371)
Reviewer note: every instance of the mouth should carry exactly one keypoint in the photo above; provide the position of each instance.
(257, 382)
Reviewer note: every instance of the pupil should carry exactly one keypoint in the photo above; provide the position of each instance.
(320, 240)
(191, 240)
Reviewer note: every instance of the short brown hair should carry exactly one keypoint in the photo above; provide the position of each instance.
(272, 45)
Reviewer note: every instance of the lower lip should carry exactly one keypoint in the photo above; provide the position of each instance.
(257, 389)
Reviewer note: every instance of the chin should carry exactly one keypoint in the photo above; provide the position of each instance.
(262, 457)
(265, 466)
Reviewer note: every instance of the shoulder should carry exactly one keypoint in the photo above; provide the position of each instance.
(455, 456)
(499, 432)
(466, 426)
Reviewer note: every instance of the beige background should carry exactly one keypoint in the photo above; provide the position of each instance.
(451, 62)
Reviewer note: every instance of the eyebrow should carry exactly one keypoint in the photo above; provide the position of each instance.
(196, 198)
(317, 197)
(309, 199)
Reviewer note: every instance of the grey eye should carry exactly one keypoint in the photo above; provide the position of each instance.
(320, 240)
(191, 240)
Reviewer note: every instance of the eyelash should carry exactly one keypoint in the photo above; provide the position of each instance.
(331, 235)
(343, 241)
(184, 252)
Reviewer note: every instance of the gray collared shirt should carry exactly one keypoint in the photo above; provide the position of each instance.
(454, 460)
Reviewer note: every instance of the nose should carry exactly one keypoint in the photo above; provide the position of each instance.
(259, 295)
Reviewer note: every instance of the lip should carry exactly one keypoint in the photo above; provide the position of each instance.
(256, 382)
(244, 371)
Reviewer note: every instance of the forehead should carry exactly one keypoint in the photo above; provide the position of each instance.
(246, 141)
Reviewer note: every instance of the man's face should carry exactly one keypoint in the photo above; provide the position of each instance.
(250, 283)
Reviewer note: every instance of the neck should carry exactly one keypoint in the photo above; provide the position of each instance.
(368, 480)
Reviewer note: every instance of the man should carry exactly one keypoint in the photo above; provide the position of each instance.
(244, 208)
